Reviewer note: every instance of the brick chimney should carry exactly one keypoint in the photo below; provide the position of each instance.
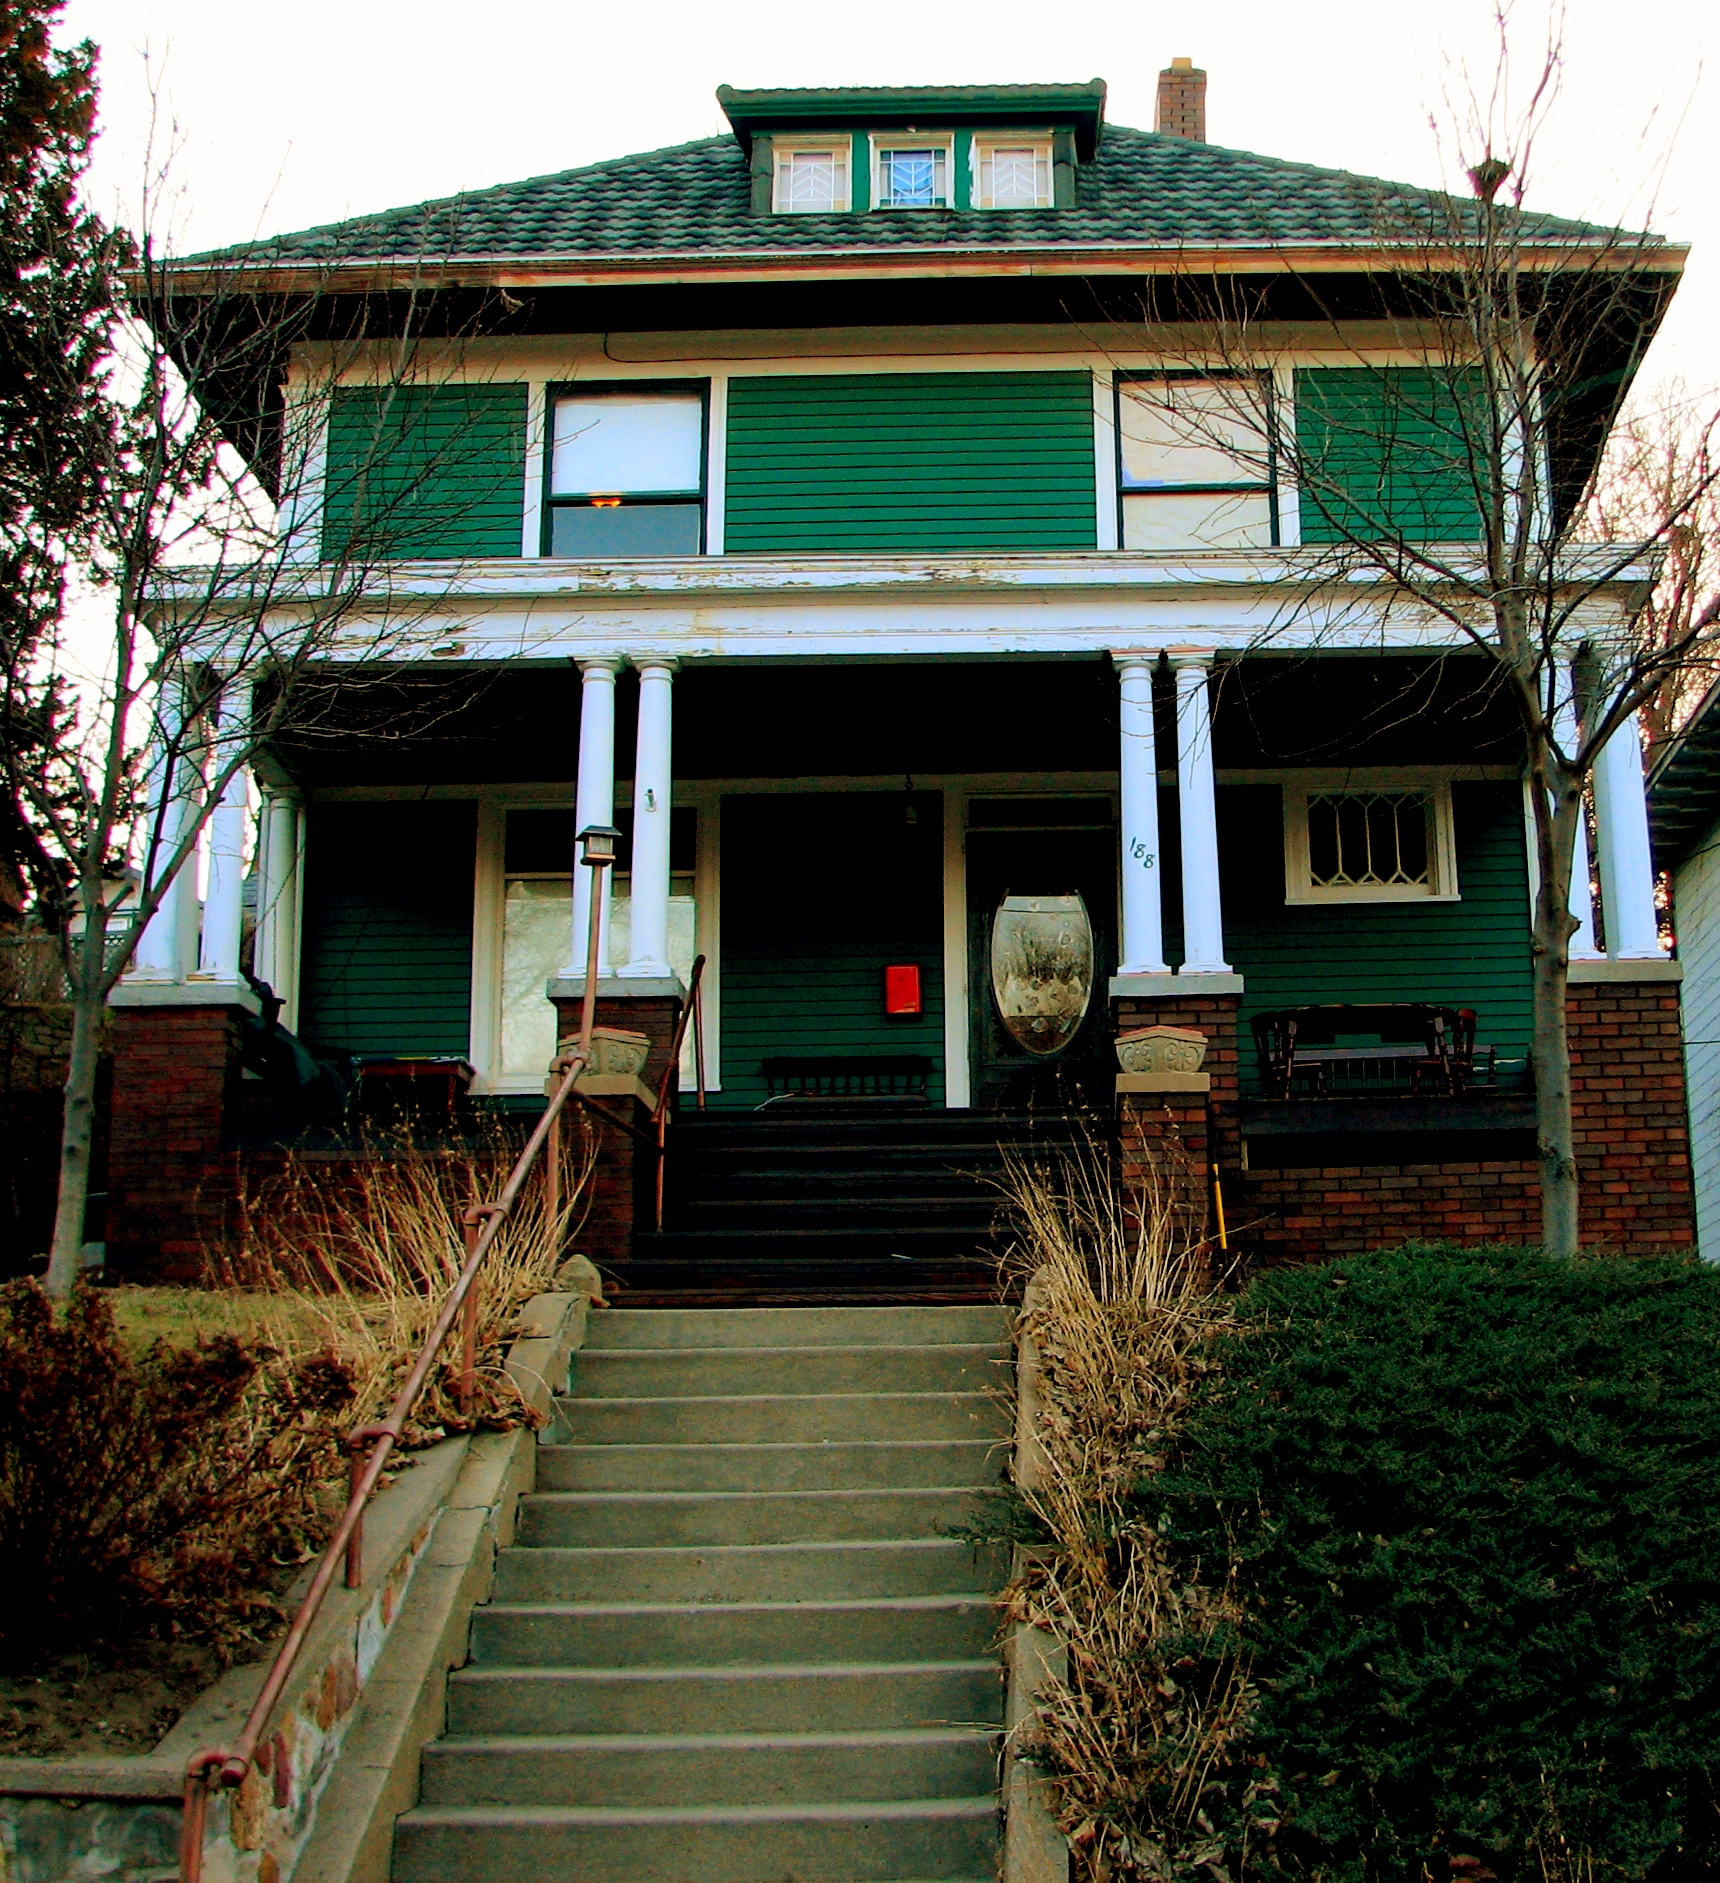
(1182, 102)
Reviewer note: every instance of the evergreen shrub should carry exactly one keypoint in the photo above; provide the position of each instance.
(1473, 1500)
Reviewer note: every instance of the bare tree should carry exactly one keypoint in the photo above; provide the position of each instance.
(234, 613)
(1437, 483)
(1658, 484)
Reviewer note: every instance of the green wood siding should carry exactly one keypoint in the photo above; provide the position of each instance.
(1389, 451)
(425, 471)
(910, 462)
(388, 927)
(809, 925)
(1470, 953)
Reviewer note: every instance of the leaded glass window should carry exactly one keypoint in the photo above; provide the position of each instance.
(812, 181)
(913, 176)
(1368, 840)
(1372, 838)
(1015, 176)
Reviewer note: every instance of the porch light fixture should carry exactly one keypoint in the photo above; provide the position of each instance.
(597, 845)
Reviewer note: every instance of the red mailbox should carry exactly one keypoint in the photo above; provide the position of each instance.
(902, 988)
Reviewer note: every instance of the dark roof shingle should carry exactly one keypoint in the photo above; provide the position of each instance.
(693, 199)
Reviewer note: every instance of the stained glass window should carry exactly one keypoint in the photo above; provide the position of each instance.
(1367, 839)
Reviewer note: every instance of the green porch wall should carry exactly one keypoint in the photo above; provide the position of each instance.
(387, 961)
(1389, 451)
(425, 471)
(820, 894)
(910, 462)
(1470, 953)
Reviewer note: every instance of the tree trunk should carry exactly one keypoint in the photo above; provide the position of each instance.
(1552, 1066)
(77, 1133)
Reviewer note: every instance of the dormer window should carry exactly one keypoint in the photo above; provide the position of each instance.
(811, 178)
(1013, 174)
(911, 173)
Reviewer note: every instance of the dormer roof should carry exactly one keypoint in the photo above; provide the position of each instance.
(1079, 108)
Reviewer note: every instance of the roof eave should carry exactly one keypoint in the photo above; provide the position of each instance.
(671, 266)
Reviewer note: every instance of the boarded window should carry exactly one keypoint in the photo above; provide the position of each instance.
(1390, 451)
(910, 462)
(425, 471)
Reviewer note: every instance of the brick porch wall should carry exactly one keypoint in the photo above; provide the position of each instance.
(1633, 1151)
(1632, 1140)
(171, 1184)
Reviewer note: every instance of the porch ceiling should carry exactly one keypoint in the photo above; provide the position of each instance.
(901, 721)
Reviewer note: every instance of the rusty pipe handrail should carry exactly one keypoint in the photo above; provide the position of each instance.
(227, 1767)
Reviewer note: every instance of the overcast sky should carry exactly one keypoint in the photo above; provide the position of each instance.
(294, 115)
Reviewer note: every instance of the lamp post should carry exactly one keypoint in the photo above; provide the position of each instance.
(596, 853)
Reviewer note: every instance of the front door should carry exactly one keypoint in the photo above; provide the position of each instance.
(1040, 849)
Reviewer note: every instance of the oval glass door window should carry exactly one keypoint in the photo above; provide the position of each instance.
(1042, 969)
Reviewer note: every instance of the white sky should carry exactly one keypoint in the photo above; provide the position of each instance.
(293, 115)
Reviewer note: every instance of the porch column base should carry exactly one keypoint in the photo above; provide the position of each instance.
(172, 1186)
(624, 1182)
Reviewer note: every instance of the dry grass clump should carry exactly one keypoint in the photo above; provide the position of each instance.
(1144, 1739)
(357, 1258)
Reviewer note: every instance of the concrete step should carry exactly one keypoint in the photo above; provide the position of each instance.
(787, 1418)
(931, 1840)
(706, 1328)
(655, 1519)
(709, 1634)
(786, 1698)
(771, 1572)
(685, 1372)
(878, 1464)
(621, 1770)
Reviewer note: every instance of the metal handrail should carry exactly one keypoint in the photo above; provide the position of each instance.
(226, 1767)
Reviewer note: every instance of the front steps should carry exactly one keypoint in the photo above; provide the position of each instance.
(734, 1641)
(831, 1203)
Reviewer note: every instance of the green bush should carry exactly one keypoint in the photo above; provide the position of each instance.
(1474, 1500)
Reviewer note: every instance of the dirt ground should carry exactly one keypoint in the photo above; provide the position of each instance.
(91, 1705)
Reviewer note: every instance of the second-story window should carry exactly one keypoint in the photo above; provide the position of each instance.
(911, 174)
(811, 179)
(627, 472)
(1195, 461)
(1014, 175)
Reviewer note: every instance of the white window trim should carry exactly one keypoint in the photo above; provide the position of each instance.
(1043, 152)
(912, 140)
(782, 147)
(1300, 890)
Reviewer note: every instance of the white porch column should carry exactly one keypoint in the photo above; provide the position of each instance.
(595, 802)
(1203, 918)
(223, 902)
(1582, 904)
(159, 956)
(1627, 863)
(1143, 949)
(652, 787)
(279, 841)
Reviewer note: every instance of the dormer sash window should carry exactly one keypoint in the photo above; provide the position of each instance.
(811, 176)
(911, 171)
(1012, 172)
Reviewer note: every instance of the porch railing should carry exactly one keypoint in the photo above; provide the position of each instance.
(226, 1767)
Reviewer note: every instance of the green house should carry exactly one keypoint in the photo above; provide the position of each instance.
(924, 523)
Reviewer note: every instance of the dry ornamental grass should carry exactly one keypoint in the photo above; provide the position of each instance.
(1145, 1741)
